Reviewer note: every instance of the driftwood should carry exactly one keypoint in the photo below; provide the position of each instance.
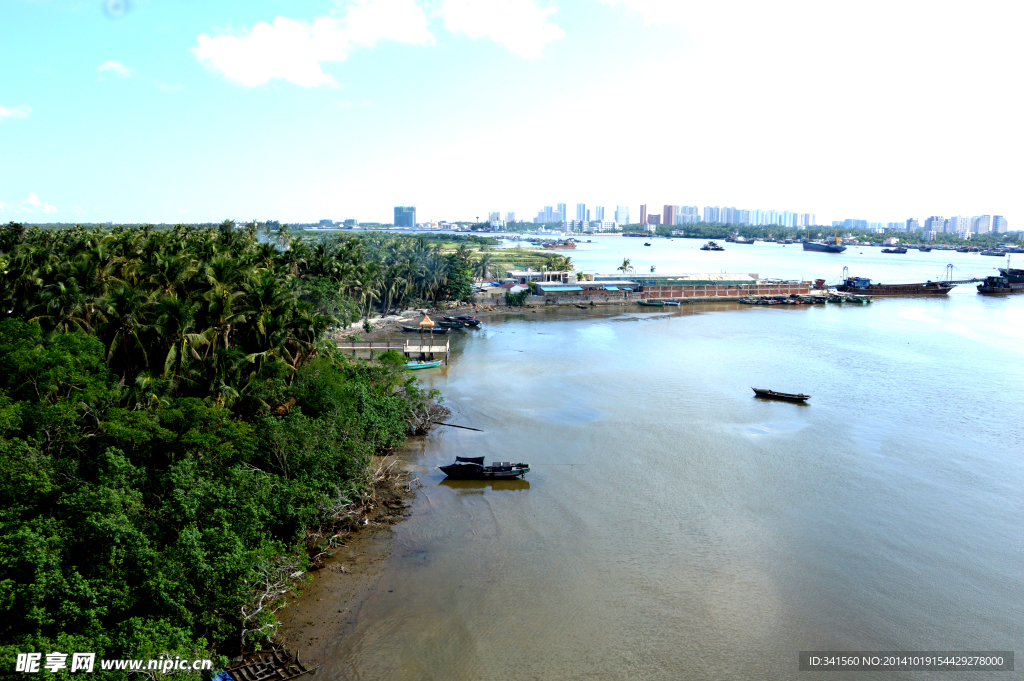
(452, 425)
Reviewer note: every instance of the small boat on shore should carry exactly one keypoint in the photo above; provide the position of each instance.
(773, 395)
(464, 319)
(434, 329)
(473, 468)
(413, 366)
(651, 303)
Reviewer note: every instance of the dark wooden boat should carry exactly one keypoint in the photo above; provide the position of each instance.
(276, 665)
(898, 249)
(464, 319)
(864, 286)
(711, 246)
(789, 397)
(473, 468)
(434, 329)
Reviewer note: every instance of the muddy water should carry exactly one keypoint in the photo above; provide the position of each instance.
(676, 527)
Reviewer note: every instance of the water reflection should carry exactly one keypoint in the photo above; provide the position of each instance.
(514, 485)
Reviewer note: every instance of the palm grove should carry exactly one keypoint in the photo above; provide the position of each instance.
(177, 435)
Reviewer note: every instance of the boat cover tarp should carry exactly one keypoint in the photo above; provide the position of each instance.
(479, 460)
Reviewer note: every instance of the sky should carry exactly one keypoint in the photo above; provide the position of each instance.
(195, 111)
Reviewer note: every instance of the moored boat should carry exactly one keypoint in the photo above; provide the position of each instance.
(997, 252)
(473, 468)
(413, 366)
(831, 246)
(415, 329)
(863, 285)
(1009, 282)
(651, 303)
(464, 319)
(773, 395)
(711, 246)
(898, 249)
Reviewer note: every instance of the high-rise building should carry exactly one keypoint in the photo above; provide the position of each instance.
(981, 224)
(564, 213)
(957, 224)
(643, 213)
(622, 215)
(999, 224)
(710, 214)
(935, 223)
(510, 216)
(668, 215)
(654, 219)
(599, 212)
(405, 216)
(912, 225)
(494, 216)
(581, 211)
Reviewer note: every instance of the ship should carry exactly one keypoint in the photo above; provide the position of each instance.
(863, 285)
(1008, 282)
(832, 245)
(898, 249)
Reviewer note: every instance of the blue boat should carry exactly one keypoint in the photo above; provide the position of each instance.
(826, 247)
(412, 366)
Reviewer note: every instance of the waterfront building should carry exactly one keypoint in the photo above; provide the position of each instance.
(622, 215)
(935, 223)
(510, 216)
(981, 224)
(668, 215)
(494, 216)
(896, 226)
(643, 213)
(957, 224)
(562, 212)
(999, 224)
(928, 235)
(405, 216)
(581, 211)
(530, 274)
(654, 220)
(599, 212)
(912, 225)
(710, 214)
(350, 223)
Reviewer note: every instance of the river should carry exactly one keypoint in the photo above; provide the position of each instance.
(676, 527)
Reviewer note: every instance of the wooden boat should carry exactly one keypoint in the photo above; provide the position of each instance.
(651, 303)
(464, 319)
(898, 249)
(270, 665)
(863, 285)
(711, 246)
(434, 329)
(413, 366)
(789, 397)
(473, 468)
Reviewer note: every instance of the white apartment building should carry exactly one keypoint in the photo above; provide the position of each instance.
(622, 215)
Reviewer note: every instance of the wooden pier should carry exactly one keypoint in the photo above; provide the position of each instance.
(410, 348)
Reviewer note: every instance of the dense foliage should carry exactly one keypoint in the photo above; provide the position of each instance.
(174, 430)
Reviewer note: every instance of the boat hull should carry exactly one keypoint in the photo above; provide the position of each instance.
(457, 472)
(650, 304)
(413, 366)
(894, 290)
(788, 397)
(823, 248)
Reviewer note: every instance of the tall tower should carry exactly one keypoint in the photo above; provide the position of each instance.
(643, 213)
(565, 215)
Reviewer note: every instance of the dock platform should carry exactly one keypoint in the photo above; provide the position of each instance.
(410, 348)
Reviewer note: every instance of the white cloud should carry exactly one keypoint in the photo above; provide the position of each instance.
(33, 205)
(654, 11)
(15, 111)
(519, 25)
(115, 66)
(294, 50)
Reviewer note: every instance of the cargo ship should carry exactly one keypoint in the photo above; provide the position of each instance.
(1008, 282)
(831, 245)
(863, 285)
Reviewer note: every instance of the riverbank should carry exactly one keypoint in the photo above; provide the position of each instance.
(323, 612)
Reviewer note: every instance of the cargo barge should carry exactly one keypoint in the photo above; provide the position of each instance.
(863, 285)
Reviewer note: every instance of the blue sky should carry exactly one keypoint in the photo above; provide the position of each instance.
(181, 110)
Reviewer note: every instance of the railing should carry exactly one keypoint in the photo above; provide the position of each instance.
(408, 347)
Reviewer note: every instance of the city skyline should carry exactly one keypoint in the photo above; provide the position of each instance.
(323, 108)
